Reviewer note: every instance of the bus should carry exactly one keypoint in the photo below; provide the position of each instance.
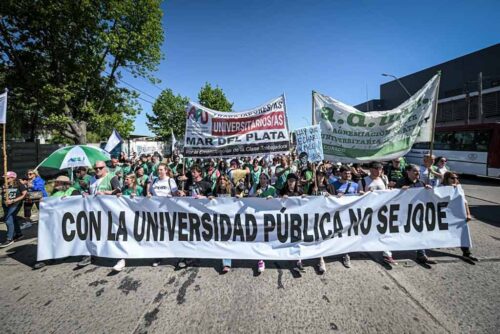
(469, 149)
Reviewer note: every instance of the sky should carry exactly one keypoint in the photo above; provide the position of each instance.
(258, 50)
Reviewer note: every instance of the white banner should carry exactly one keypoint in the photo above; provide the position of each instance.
(350, 135)
(309, 142)
(252, 228)
(258, 131)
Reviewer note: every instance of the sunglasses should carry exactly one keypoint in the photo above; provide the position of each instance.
(99, 168)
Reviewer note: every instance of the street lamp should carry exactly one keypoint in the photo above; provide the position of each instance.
(399, 82)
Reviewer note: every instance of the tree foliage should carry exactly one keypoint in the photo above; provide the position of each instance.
(214, 98)
(168, 115)
(62, 61)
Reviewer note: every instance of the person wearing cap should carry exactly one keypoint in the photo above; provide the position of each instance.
(372, 182)
(82, 179)
(13, 194)
(62, 188)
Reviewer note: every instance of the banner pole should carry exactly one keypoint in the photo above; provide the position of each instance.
(312, 102)
(434, 114)
(4, 149)
(183, 172)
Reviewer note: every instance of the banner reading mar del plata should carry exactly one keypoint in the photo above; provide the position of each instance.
(211, 133)
(350, 135)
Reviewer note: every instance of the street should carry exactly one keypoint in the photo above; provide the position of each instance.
(453, 296)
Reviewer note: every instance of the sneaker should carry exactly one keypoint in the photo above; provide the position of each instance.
(39, 265)
(6, 243)
(156, 263)
(321, 266)
(300, 267)
(261, 266)
(346, 261)
(85, 261)
(389, 260)
(18, 237)
(119, 265)
(26, 225)
(226, 269)
(470, 257)
(425, 260)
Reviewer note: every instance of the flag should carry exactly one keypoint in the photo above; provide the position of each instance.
(174, 142)
(113, 140)
(3, 108)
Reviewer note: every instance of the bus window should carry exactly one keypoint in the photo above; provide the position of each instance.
(421, 146)
(482, 140)
(465, 140)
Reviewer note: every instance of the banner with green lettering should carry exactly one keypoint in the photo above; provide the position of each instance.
(350, 135)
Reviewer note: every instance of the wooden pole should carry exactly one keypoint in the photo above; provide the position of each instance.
(4, 160)
(4, 148)
(434, 114)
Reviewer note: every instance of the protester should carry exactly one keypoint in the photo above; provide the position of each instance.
(82, 179)
(451, 179)
(412, 180)
(426, 174)
(103, 183)
(292, 188)
(394, 171)
(62, 188)
(130, 186)
(264, 190)
(114, 166)
(142, 179)
(36, 191)
(357, 172)
(322, 187)
(439, 169)
(281, 173)
(224, 188)
(374, 181)
(212, 174)
(164, 184)
(13, 194)
(197, 186)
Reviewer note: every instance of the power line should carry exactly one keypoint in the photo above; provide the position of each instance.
(134, 88)
(152, 84)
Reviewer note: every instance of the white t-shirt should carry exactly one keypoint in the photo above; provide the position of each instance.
(371, 184)
(166, 187)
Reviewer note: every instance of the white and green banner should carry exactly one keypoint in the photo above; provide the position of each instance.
(350, 135)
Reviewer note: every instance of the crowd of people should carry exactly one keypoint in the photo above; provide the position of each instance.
(265, 177)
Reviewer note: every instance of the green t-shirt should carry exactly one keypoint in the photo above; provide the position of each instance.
(141, 180)
(85, 179)
(270, 191)
(129, 191)
(280, 182)
(309, 177)
(154, 169)
(61, 193)
(113, 171)
(255, 174)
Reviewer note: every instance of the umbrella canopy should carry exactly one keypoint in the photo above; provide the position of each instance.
(75, 156)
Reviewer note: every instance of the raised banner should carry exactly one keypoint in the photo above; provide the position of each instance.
(211, 133)
(309, 145)
(350, 135)
(252, 228)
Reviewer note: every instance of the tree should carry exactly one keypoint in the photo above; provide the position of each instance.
(214, 98)
(169, 114)
(62, 61)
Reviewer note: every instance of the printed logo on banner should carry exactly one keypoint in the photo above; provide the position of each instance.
(198, 115)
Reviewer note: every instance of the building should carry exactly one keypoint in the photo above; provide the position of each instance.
(464, 81)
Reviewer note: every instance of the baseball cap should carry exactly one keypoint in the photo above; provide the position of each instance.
(63, 178)
(11, 174)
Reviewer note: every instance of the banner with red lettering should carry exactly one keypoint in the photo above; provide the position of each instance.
(211, 133)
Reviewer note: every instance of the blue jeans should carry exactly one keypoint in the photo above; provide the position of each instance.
(11, 220)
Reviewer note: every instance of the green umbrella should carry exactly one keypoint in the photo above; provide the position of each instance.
(75, 156)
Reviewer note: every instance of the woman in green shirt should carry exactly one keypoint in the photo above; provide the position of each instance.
(263, 190)
(131, 188)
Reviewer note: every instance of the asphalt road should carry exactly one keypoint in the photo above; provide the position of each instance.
(452, 297)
